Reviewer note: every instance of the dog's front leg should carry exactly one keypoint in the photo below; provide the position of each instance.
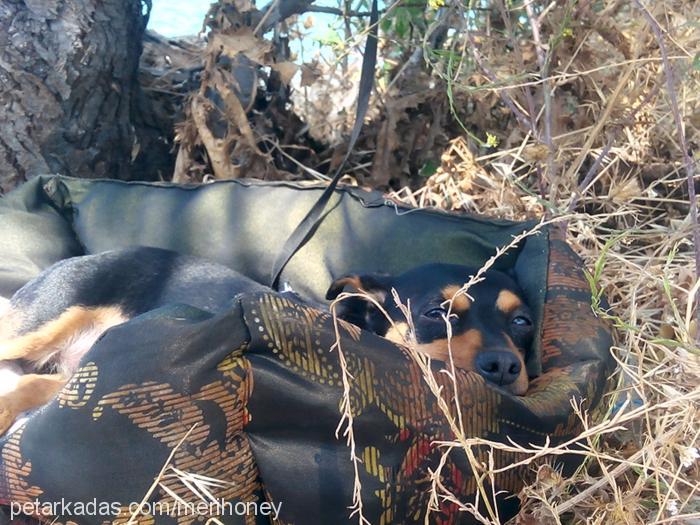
(31, 391)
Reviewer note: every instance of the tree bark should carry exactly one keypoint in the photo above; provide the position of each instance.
(68, 87)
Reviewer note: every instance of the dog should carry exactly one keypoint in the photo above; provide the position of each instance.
(491, 325)
(52, 321)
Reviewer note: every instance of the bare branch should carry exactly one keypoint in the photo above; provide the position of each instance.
(507, 99)
(689, 166)
(277, 11)
(353, 14)
(543, 61)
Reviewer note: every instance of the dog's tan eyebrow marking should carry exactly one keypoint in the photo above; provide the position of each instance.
(507, 301)
(460, 302)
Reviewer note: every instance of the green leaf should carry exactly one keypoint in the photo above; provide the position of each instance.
(402, 23)
(330, 38)
(429, 168)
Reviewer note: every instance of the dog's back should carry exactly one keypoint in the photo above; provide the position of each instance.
(59, 315)
(130, 281)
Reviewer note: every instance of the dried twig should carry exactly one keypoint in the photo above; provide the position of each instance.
(689, 164)
(523, 119)
(157, 481)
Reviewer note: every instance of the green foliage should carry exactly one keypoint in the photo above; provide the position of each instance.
(594, 279)
(402, 21)
(429, 168)
(331, 38)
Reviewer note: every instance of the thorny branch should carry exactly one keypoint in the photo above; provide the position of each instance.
(507, 100)
(689, 165)
(543, 61)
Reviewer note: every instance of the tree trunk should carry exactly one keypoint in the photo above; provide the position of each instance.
(68, 82)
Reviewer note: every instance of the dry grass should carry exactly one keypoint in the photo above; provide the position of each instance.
(623, 175)
(642, 465)
(606, 116)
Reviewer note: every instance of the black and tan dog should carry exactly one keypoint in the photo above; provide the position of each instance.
(52, 321)
(491, 326)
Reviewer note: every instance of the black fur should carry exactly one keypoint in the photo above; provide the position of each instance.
(136, 279)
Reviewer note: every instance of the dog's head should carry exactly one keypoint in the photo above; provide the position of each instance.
(492, 328)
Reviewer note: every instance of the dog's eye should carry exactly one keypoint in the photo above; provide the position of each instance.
(436, 313)
(521, 320)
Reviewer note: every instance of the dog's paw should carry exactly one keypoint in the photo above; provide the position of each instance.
(7, 416)
(10, 372)
(4, 305)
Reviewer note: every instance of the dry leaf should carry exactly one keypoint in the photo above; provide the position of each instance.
(243, 41)
(216, 148)
(536, 153)
(625, 191)
(666, 331)
(310, 73)
(243, 6)
(286, 70)
(234, 110)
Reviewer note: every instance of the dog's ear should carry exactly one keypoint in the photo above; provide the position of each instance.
(357, 310)
(377, 285)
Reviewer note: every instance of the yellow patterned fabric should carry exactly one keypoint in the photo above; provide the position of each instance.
(398, 420)
(113, 428)
(240, 411)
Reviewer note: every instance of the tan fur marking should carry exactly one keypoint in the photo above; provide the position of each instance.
(397, 333)
(54, 335)
(32, 390)
(9, 319)
(465, 348)
(356, 282)
(352, 280)
(460, 301)
(507, 301)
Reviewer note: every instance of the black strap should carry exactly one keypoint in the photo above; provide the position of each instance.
(304, 229)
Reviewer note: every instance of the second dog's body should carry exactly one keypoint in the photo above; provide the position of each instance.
(60, 314)
(51, 322)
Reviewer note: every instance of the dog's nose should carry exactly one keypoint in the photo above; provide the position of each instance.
(501, 368)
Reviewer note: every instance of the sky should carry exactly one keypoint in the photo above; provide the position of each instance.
(178, 17)
(173, 18)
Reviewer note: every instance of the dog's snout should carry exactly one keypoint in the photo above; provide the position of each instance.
(501, 368)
